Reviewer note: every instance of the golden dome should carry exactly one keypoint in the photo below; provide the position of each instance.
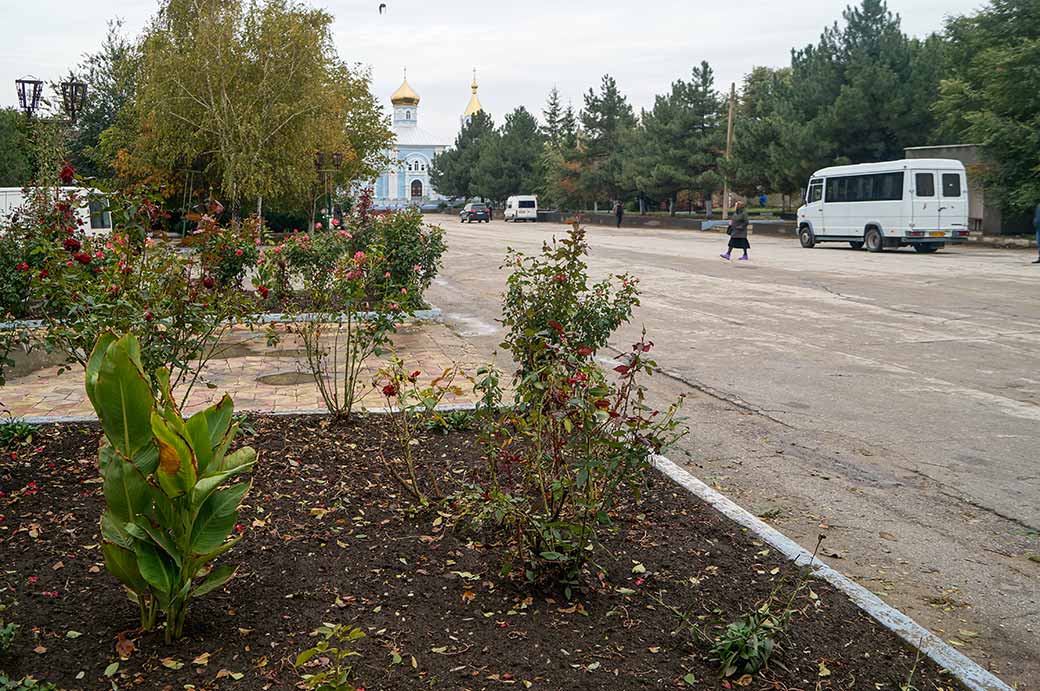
(474, 102)
(405, 95)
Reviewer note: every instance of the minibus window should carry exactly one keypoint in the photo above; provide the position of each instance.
(100, 217)
(526, 204)
(951, 185)
(924, 184)
(815, 192)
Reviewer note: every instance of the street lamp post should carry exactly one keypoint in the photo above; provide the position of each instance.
(30, 91)
(73, 97)
(320, 163)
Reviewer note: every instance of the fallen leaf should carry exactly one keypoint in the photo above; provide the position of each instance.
(822, 670)
(111, 669)
(73, 634)
(468, 596)
(690, 679)
(124, 646)
(638, 568)
(744, 680)
(202, 659)
(170, 663)
(39, 650)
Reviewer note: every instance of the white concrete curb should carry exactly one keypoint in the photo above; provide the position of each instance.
(959, 665)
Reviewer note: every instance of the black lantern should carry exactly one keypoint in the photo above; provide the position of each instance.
(319, 160)
(337, 160)
(30, 91)
(74, 97)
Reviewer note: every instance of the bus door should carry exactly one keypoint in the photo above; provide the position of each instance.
(925, 203)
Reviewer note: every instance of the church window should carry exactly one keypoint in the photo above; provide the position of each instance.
(407, 115)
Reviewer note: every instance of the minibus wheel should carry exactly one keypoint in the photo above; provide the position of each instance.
(874, 241)
(806, 237)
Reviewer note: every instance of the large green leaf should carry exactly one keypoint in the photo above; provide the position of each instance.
(122, 396)
(241, 461)
(122, 563)
(127, 492)
(216, 518)
(208, 430)
(112, 530)
(216, 578)
(156, 568)
(97, 356)
(177, 471)
(158, 535)
(199, 561)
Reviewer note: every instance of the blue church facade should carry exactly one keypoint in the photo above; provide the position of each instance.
(406, 181)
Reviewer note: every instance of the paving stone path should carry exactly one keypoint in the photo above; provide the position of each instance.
(258, 377)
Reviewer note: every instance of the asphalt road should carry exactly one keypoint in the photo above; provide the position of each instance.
(890, 401)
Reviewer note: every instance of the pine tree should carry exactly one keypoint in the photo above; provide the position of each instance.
(605, 119)
(452, 172)
(552, 116)
(508, 162)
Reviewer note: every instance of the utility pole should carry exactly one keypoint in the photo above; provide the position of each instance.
(729, 149)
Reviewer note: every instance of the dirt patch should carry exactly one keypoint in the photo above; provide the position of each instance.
(326, 540)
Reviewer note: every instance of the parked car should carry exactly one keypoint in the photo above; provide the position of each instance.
(521, 208)
(921, 203)
(474, 212)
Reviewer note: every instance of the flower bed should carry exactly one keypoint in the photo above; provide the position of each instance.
(329, 537)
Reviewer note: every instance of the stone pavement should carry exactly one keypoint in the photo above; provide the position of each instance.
(258, 377)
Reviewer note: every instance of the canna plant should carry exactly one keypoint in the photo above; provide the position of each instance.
(166, 516)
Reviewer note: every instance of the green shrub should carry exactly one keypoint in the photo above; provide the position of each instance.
(335, 650)
(574, 444)
(227, 253)
(128, 283)
(24, 684)
(165, 518)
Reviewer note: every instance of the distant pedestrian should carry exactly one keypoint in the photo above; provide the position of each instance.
(1036, 227)
(762, 199)
(738, 232)
(619, 212)
(491, 211)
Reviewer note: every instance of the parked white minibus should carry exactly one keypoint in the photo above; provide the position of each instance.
(922, 203)
(521, 208)
(93, 209)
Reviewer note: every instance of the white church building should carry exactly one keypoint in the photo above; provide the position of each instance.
(406, 182)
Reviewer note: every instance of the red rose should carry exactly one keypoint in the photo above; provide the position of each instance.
(82, 257)
(209, 282)
(148, 316)
(584, 351)
(67, 175)
(238, 253)
(22, 267)
(71, 244)
(43, 274)
(390, 390)
(263, 290)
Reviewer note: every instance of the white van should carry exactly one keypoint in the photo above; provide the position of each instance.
(921, 202)
(521, 208)
(93, 209)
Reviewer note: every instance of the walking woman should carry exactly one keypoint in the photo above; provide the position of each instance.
(738, 232)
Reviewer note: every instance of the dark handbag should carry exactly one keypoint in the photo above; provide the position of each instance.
(729, 229)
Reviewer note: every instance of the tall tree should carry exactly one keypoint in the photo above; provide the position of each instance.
(993, 96)
(857, 91)
(247, 92)
(508, 163)
(552, 117)
(16, 167)
(677, 144)
(452, 172)
(111, 76)
(605, 119)
(568, 128)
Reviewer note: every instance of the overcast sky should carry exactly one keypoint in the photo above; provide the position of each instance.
(520, 49)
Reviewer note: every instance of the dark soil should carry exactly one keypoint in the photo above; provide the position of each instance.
(326, 540)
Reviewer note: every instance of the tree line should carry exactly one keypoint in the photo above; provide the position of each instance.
(863, 92)
(229, 97)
